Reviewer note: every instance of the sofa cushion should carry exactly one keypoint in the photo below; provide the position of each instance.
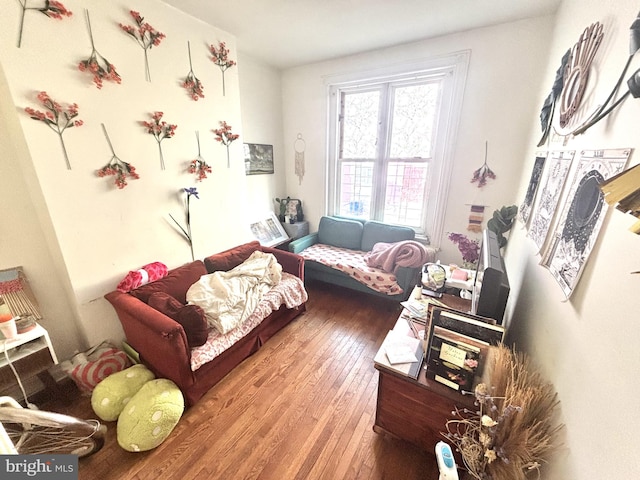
(340, 232)
(230, 258)
(191, 317)
(375, 232)
(176, 283)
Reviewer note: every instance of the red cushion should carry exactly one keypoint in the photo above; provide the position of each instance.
(191, 317)
(230, 258)
(176, 283)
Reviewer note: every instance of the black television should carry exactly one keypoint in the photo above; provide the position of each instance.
(491, 284)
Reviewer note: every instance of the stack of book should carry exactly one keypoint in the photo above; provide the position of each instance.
(458, 346)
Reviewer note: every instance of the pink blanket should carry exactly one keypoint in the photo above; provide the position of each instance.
(390, 256)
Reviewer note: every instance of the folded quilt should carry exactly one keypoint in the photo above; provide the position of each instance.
(390, 256)
(229, 298)
(352, 263)
(290, 292)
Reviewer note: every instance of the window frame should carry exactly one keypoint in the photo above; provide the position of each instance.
(452, 71)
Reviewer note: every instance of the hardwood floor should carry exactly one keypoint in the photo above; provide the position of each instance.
(302, 407)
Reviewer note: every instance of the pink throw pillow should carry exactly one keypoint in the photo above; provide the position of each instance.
(137, 278)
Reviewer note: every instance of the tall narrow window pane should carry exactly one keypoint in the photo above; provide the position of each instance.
(405, 193)
(414, 113)
(360, 124)
(356, 189)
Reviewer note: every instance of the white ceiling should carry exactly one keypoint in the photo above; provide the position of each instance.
(287, 33)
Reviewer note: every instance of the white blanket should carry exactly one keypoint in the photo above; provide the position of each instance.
(229, 298)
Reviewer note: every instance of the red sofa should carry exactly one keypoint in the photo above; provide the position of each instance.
(162, 342)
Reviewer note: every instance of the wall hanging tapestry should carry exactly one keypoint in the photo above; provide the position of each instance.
(116, 167)
(581, 216)
(51, 8)
(534, 181)
(476, 216)
(220, 56)
(225, 136)
(160, 130)
(552, 182)
(298, 146)
(191, 83)
(146, 36)
(57, 118)
(258, 159)
(199, 166)
(96, 65)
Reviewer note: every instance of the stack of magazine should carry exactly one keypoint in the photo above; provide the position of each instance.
(458, 347)
(402, 352)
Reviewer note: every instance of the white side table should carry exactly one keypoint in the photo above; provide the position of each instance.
(31, 353)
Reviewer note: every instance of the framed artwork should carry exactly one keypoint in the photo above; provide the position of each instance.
(269, 231)
(258, 159)
(552, 183)
(534, 181)
(581, 217)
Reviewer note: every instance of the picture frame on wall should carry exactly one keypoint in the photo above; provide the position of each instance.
(258, 159)
(269, 231)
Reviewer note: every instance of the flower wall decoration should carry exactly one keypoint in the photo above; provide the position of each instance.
(484, 172)
(199, 166)
(191, 82)
(470, 249)
(160, 130)
(96, 64)
(225, 136)
(51, 8)
(220, 56)
(146, 36)
(191, 192)
(57, 118)
(120, 169)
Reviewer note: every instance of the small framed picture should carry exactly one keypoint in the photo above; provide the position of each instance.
(269, 231)
(258, 159)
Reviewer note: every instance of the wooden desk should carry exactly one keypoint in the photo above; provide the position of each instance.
(416, 410)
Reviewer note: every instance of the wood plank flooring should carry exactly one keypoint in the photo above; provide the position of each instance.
(302, 407)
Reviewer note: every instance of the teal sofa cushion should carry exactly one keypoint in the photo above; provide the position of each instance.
(340, 232)
(375, 232)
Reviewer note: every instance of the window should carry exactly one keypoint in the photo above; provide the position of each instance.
(390, 142)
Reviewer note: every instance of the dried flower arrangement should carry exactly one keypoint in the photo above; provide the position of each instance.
(160, 130)
(191, 82)
(470, 249)
(225, 136)
(120, 169)
(56, 118)
(190, 191)
(199, 166)
(220, 56)
(145, 35)
(96, 64)
(51, 8)
(514, 430)
(484, 172)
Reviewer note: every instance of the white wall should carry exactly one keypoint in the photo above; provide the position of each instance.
(86, 234)
(497, 108)
(588, 346)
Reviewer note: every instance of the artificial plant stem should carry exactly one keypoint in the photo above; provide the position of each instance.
(86, 12)
(161, 156)
(106, 135)
(64, 150)
(147, 72)
(223, 86)
(24, 10)
(189, 50)
(584, 128)
(189, 225)
(198, 141)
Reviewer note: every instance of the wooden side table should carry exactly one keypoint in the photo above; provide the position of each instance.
(31, 354)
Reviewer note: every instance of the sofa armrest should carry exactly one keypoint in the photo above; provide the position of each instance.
(160, 341)
(291, 262)
(408, 277)
(303, 242)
